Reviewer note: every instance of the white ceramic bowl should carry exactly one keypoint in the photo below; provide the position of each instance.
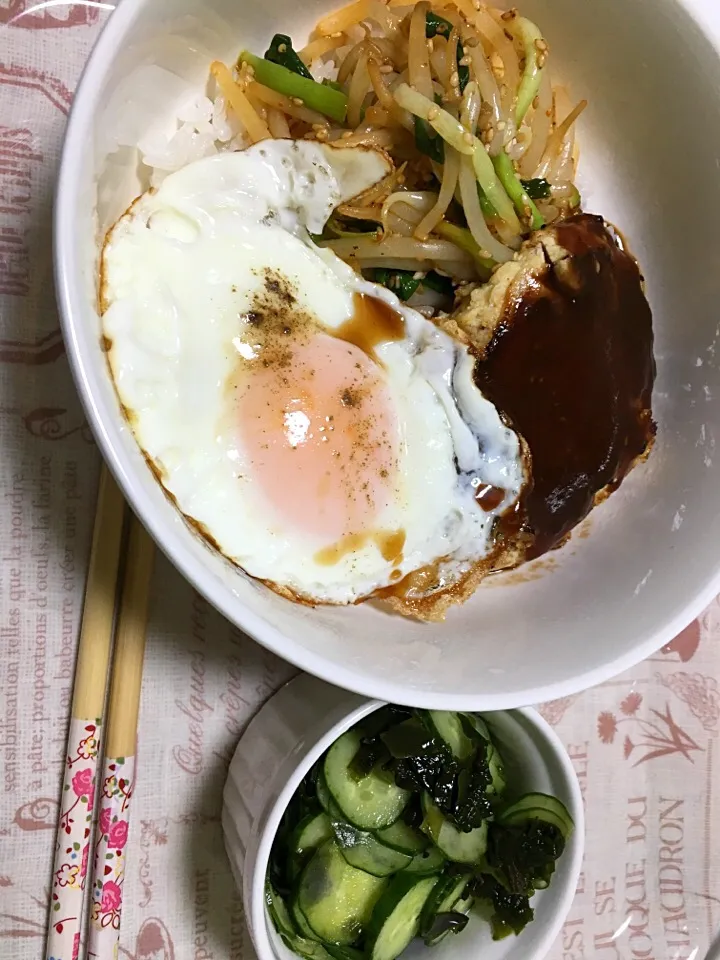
(298, 724)
(650, 147)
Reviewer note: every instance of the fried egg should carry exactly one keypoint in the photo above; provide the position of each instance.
(325, 437)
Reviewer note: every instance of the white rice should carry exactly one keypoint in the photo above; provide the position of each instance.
(202, 127)
(198, 125)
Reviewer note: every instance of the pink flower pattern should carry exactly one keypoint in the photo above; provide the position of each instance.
(111, 897)
(631, 704)
(117, 836)
(607, 727)
(107, 893)
(83, 782)
(72, 844)
(104, 820)
(659, 734)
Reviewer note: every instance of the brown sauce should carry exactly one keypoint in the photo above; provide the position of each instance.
(373, 322)
(389, 543)
(571, 367)
(489, 497)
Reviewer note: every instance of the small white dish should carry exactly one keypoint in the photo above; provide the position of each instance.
(297, 725)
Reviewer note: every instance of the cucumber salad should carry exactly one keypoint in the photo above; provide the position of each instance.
(398, 830)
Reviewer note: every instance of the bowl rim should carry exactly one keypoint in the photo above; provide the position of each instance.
(256, 860)
(172, 539)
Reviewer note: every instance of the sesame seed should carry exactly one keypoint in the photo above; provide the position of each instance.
(297, 101)
(454, 79)
(509, 15)
(541, 46)
(347, 135)
(386, 68)
(536, 103)
(468, 138)
(501, 125)
(282, 48)
(465, 61)
(433, 113)
(471, 42)
(336, 35)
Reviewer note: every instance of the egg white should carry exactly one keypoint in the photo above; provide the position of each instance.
(180, 270)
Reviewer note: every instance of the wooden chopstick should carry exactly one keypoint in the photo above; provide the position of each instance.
(84, 734)
(118, 770)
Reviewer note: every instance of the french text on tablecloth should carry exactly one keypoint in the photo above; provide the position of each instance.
(38, 601)
(194, 707)
(578, 754)
(573, 939)
(238, 930)
(18, 155)
(10, 643)
(671, 883)
(201, 906)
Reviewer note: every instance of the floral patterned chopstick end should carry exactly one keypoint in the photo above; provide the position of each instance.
(109, 862)
(72, 845)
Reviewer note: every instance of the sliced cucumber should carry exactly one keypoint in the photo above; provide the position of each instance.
(304, 945)
(279, 912)
(337, 899)
(362, 850)
(497, 772)
(310, 949)
(399, 836)
(396, 917)
(371, 801)
(443, 925)
(539, 806)
(446, 894)
(454, 896)
(344, 953)
(464, 905)
(449, 727)
(456, 845)
(310, 833)
(323, 794)
(478, 725)
(523, 817)
(301, 921)
(426, 862)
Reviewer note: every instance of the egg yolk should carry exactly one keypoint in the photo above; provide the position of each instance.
(320, 434)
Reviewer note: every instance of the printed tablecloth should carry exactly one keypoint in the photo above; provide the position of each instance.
(645, 746)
